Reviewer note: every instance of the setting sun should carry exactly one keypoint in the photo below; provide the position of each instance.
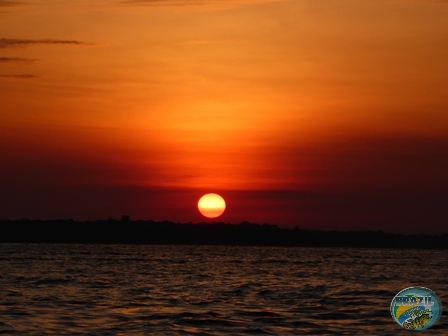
(318, 114)
(211, 205)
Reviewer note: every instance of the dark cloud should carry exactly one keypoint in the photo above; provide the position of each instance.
(15, 43)
(15, 59)
(371, 162)
(20, 76)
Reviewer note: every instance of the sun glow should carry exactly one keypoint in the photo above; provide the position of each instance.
(211, 205)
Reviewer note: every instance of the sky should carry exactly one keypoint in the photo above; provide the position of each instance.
(319, 114)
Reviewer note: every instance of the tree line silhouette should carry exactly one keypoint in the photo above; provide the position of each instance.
(125, 231)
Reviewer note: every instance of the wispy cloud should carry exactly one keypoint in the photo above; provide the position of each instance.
(425, 2)
(226, 3)
(16, 59)
(6, 3)
(20, 76)
(208, 42)
(191, 3)
(6, 43)
(16, 43)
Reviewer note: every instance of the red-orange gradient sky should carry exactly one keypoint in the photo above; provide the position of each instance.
(312, 113)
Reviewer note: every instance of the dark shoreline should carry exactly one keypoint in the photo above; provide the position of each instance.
(125, 231)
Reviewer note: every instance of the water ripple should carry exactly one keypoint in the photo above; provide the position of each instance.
(208, 290)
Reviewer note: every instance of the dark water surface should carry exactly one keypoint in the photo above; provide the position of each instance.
(210, 290)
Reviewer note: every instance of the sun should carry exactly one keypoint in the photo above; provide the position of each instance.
(211, 205)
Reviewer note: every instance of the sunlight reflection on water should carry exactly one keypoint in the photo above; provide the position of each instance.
(209, 290)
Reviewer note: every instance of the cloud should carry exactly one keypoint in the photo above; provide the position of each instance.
(15, 43)
(206, 42)
(6, 3)
(193, 3)
(425, 2)
(166, 2)
(20, 76)
(16, 59)
(6, 43)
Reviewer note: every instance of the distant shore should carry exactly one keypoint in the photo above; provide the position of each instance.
(125, 231)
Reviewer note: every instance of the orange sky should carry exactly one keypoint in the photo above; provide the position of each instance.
(159, 101)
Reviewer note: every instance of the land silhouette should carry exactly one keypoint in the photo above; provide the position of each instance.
(125, 231)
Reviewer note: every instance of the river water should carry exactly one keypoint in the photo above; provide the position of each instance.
(210, 290)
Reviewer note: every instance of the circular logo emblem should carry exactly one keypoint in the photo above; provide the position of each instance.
(416, 308)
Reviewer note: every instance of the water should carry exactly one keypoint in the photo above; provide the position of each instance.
(209, 290)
